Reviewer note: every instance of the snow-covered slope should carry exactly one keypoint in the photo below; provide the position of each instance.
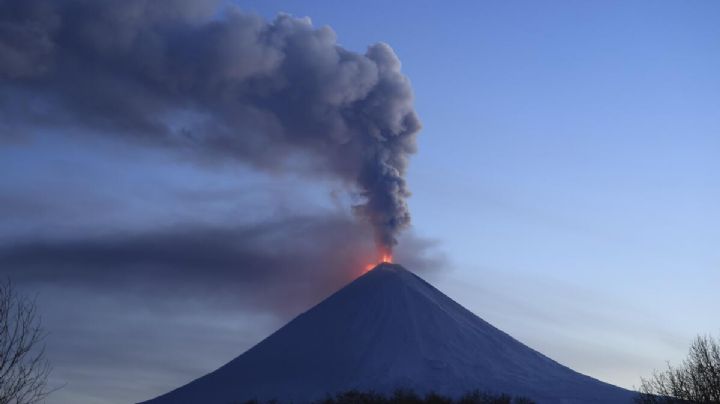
(385, 330)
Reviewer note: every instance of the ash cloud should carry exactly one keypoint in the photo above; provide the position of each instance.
(282, 266)
(209, 80)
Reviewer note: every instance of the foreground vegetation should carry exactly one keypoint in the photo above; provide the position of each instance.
(409, 397)
(23, 368)
(695, 381)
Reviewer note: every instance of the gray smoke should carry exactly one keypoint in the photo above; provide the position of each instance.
(279, 266)
(207, 79)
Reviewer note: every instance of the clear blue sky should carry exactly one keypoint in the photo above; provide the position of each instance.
(567, 169)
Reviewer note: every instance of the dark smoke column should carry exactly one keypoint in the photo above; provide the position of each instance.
(392, 128)
(209, 80)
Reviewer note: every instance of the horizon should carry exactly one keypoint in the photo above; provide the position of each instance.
(564, 185)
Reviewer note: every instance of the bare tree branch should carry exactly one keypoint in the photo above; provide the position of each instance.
(23, 367)
(695, 381)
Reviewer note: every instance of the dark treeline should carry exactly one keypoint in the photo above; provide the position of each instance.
(409, 397)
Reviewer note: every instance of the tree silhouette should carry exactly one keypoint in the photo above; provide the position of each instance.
(696, 380)
(23, 368)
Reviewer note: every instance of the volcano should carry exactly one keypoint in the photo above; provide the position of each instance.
(386, 330)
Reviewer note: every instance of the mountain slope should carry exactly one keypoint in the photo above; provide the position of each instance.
(385, 330)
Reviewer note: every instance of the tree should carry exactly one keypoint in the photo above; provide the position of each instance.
(696, 380)
(23, 367)
(410, 397)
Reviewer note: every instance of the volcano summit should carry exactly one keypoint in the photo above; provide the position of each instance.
(386, 330)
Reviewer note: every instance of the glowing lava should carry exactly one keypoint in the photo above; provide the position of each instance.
(385, 258)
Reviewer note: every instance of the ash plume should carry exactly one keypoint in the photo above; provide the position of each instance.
(277, 266)
(211, 81)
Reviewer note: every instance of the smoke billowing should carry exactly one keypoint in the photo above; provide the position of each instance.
(215, 83)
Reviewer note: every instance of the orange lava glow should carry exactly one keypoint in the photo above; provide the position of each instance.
(385, 258)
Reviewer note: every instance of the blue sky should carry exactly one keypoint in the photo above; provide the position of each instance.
(567, 171)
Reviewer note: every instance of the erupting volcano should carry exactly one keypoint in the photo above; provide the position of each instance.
(386, 258)
(386, 330)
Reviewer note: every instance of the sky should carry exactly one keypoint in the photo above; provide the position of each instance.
(564, 188)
